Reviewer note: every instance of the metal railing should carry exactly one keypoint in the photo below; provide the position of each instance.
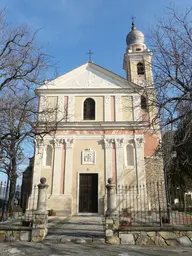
(151, 205)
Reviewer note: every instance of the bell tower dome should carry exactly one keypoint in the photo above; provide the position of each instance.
(137, 58)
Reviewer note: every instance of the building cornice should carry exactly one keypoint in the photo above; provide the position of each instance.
(88, 91)
(129, 125)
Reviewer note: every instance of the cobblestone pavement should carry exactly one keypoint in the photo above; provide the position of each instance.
(38, 249)
(78, 227)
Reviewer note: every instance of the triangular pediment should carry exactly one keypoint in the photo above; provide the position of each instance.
(89, 76)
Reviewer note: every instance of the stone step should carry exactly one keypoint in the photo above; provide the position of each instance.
(82, 240)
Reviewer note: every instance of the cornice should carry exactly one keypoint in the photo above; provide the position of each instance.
(87, 91)
(100, 125)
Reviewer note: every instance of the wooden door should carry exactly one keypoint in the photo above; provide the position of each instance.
(88, 193)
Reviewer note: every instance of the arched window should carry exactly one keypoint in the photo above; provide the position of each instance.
(49, 154)
(89, 109)
(140, 68)
(129, 155)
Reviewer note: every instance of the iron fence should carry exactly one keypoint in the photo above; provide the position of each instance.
(152, 205)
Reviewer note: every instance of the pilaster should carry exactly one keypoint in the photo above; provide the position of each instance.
(71, 108)
(60, 110)
(119, 160)
(137, 108)
(118, 110)
(108, 158)
(139, 156)
(107, 108)
(57, 166)
(68, 166)
(39, 147)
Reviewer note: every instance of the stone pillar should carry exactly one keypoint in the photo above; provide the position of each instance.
(108, 158)
(111, 198)
(137, 108)
(107, 108)
(68, 166)
(57, 166)
(119, 160)
(40, 220)
(118, 110)
(42, 196)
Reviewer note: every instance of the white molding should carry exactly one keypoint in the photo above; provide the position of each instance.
(121, 125)
(107, 108)
(108, 158)
(68, 166)
(78, 184)
(57, 168)
(60, 107)
(88, 91)
(119, 160)
(137, 108)
(71, 108)
(118, 112)
(126, 166)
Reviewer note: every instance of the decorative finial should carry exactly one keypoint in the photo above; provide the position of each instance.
(110, 180)
(43, 180)
(90, 53)
(133, 23)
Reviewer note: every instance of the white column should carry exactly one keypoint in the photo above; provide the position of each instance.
(108, 159)
(139, 158)
(68, 166)
(118, 110)
(39, 147)
(119, 160)
(60, 109)
(137, 108)
(107, 108)
(71, 108)
(57, 166)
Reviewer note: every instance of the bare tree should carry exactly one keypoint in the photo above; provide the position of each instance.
(22, 60)
(23, 67)
(171, 42)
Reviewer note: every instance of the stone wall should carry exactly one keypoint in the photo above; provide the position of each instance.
(147, 236)
(154, 169)
(155, 174)
(13, 234)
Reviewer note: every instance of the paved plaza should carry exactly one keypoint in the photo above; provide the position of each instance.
(48, 249)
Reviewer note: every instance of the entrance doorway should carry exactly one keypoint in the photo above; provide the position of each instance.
(88, 193)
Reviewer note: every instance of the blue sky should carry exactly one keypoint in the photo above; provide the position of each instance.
(69, 28)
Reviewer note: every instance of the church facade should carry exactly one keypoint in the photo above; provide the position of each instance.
(104, 131)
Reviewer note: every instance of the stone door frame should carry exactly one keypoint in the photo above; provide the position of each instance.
(78, 187)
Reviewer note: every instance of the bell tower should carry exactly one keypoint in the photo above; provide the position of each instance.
(137, 59)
